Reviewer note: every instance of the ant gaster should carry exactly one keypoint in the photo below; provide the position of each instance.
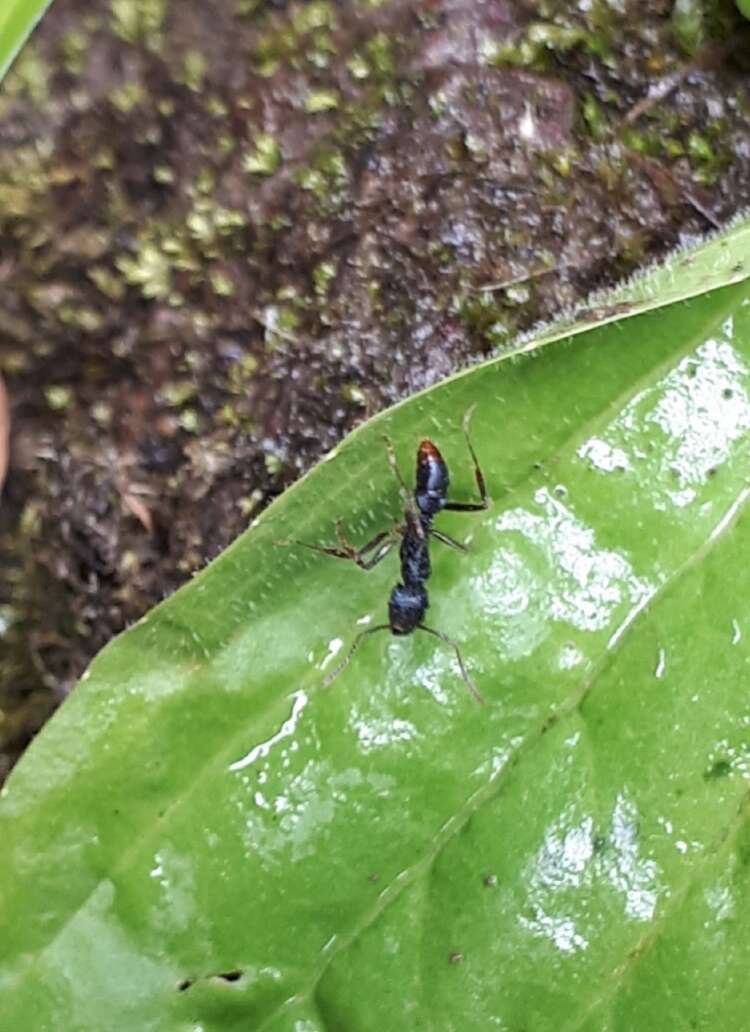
(409, 600)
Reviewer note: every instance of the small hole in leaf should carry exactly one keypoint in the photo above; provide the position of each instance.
(184, 984)
(230, 976)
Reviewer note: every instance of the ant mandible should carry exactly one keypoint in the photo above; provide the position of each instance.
(409, 601)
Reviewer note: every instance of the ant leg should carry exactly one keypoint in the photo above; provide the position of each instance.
(347, 658)
(464, 673)
(447, 540)
(410, 507)
(478, 476)
(382, 543)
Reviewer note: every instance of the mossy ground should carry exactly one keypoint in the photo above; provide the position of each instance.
(232, 230)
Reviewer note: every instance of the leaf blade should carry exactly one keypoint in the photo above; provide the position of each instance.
(376, 817)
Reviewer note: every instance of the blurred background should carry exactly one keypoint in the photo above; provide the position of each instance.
(231, 231)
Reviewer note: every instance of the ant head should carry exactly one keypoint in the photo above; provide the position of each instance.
(406, 607)
(432, 479)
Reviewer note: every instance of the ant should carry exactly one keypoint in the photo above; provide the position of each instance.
(408, 600)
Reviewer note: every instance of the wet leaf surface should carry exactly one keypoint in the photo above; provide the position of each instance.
(233, 231)
(206, 838)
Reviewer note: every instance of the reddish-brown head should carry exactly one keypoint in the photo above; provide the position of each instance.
(427, 452)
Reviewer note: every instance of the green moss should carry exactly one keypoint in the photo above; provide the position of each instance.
(250, 503)
(58, 398)
(279, 322)
(221, 284)
(138, 22)
(227, 220)
(21, 185)
(305, 31)
(594, 118)
(194, 67)
(323, 273)
(205, 183)
(150, 269)
(178, 392)
(353, 393)
(320, 49)
(317, 14)
(81, 317)
(672, 148)
(240, 373)
(225, 144)
(642, 141)
(707, 157)
(127, 97)
(563, 161)
(327, 177)
(540, 41)
(483, 317)
(321, 100)
(265, 159)
(216, 107)
(688, 25)
(199, 226)
(358, 66)
(163, 174)
(699, 148)
(273, 464)
(75, 47)
(29, 76)
(189, 421)
(243, 8)
(14, 362)
(379, 50)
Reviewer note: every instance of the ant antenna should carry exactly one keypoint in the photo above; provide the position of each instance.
(393, 463)
(464, 672)
(477, 469)
(355, 644)
(410, 509)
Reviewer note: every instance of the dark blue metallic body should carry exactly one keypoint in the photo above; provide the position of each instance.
(409, 600)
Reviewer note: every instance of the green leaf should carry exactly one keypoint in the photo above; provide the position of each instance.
(205, 838)
(744, 7)
(17, 19)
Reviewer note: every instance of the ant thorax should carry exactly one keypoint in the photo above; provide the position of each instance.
(415, 555)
